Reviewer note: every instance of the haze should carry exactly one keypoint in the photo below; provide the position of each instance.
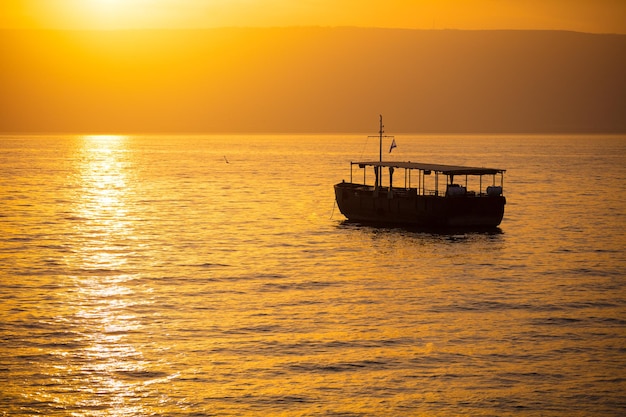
(595, 16)
(97, 66)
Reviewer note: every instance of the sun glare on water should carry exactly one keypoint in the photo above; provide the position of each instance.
(95, 139)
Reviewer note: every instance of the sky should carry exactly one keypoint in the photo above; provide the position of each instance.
(116, 66)
(595, 16)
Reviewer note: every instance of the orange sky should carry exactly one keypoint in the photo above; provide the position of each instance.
(596, 16)
(306, 68)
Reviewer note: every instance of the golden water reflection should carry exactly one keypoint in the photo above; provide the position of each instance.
(110, 368)
(103, 177)
(170, 283)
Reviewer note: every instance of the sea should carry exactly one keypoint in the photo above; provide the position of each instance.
(213, 275)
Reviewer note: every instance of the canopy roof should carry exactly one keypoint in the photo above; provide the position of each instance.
(444, 169)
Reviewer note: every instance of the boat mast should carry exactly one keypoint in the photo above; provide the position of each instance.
(380, 135)
(379, 169)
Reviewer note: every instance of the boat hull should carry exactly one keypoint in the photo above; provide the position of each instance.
(404, 207)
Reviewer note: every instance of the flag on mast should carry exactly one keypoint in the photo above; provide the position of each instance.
(393, 145)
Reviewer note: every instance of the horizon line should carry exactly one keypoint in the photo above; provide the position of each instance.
(302, 133)
(196, 29)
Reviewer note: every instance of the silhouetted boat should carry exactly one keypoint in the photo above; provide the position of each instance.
(440, 203)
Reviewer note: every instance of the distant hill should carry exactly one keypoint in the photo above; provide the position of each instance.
(312, 80)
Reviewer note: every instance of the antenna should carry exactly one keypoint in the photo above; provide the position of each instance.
(380, 137)
(380, 133)
(380, 148)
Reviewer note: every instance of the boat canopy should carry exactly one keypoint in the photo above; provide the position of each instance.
(444, 169)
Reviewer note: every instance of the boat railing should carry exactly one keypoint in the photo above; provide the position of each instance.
(412, 191)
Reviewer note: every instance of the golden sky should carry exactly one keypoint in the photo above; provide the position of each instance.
(311, 65)
(596, 16)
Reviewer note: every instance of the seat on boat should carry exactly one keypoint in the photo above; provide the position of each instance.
(455, 190)
(494, 190)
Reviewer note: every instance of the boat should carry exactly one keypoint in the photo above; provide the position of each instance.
(433, 195)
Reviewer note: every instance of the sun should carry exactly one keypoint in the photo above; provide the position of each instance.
(107, 3)
(110, 6)
(114, 14)
(136, 14)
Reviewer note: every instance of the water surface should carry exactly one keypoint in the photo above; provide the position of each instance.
(212, 275)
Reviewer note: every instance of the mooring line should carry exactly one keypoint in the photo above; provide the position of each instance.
(332, 213)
